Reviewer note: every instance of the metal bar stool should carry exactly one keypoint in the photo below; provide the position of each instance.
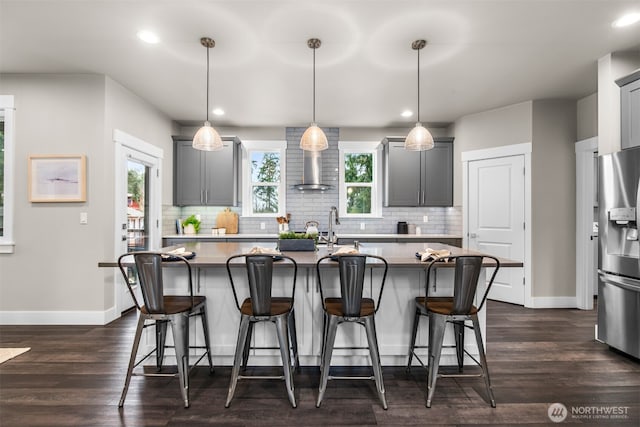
(163, 310)
(456, 310)
(261, 306)
(350, 307)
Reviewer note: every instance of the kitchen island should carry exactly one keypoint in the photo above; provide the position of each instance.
(405, 281)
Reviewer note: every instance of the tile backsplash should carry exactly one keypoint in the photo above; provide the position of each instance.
(315, 205)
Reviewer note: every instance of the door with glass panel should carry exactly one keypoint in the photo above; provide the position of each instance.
(137, 222)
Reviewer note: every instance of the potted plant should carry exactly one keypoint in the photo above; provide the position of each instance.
(291, 241)
(191, 225)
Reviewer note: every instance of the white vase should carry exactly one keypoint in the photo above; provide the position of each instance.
(189, 229)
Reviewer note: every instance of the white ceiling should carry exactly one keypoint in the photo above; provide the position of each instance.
(481, 54)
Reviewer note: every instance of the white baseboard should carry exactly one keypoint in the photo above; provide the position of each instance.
(554, 302)
(57, 317)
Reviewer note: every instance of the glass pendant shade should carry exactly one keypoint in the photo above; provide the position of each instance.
(207, 139)
(419, 139)
(314, 139)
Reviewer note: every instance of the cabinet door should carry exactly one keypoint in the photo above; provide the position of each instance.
(630, 114)
(187, 179)
(220, 183)
(437, 175)
(402, 180)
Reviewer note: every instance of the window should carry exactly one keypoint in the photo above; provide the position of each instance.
(6, 173)
(263, 172)
(360, 188)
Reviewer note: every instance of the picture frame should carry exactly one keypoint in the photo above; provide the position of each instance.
(57, 178)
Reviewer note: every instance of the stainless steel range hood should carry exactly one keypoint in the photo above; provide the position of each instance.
(312, 173)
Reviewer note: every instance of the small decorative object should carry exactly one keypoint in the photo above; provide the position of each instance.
(191, 225)
(290, 241)
(283, 223)
(57, 178)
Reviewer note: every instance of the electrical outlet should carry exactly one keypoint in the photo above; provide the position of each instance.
(425, 218)
(362, 226)
(262, 226)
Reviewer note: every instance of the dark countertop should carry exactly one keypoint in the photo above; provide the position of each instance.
(215, 254)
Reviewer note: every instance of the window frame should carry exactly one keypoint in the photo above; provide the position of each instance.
(361, 147)
(7, 110)
(248, 147)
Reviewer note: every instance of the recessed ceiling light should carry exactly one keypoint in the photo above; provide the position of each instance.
(407, 113)
(218, 112)
(626, 20)
(148, 37)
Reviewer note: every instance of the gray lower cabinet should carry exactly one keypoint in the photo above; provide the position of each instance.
(418, 178)
(630, 110)
(205, 178)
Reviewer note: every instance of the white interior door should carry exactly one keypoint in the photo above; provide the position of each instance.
(138, 204)
(496, 219)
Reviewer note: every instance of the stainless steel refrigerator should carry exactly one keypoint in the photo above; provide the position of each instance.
(619, 253)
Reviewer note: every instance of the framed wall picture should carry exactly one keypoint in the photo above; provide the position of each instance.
(57, 178)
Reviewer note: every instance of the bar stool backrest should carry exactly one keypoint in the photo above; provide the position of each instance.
(260, 280)
(260, 276)
(352, 269)
(149, 268)
(465, 283)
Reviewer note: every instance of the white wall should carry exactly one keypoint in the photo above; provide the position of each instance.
(587, 117)
(53, 276)
(550, 126)
(553, 197)
(494, 128)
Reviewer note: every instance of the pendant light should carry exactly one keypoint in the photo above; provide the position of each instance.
(314, 139)
(207, 138)
(419, 139)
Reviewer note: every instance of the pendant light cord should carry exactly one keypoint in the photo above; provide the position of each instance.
(208, 49)
(314, 85)
(418, 85)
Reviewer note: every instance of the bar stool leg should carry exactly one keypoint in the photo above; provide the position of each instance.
(458, 332)
(205, 330)
(283, 340)
(437, 324)
(161, 338)
(237, 359)
(180, 329)
(414, 334)
(293, 338)
(483, 359)
(132, 359)
(247, 346)
(370, 327)
(331, 329)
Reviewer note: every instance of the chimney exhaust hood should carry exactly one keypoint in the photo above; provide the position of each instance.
(312, 172)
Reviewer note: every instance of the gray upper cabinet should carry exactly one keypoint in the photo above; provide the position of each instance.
(630, 110)
(205, 178)
(414, 178)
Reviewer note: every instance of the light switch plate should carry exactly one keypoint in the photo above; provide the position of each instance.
(362, 225)
(425, 218)
(262, 226)
(84, 219)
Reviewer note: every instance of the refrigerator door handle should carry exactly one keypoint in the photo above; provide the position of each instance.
(623, 282)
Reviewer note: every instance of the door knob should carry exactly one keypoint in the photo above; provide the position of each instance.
(473, 235)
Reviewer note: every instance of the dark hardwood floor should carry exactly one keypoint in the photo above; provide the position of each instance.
(73, 376)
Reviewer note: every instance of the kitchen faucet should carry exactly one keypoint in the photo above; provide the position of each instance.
(333, 212)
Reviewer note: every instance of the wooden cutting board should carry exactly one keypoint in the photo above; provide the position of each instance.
(229, 220)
